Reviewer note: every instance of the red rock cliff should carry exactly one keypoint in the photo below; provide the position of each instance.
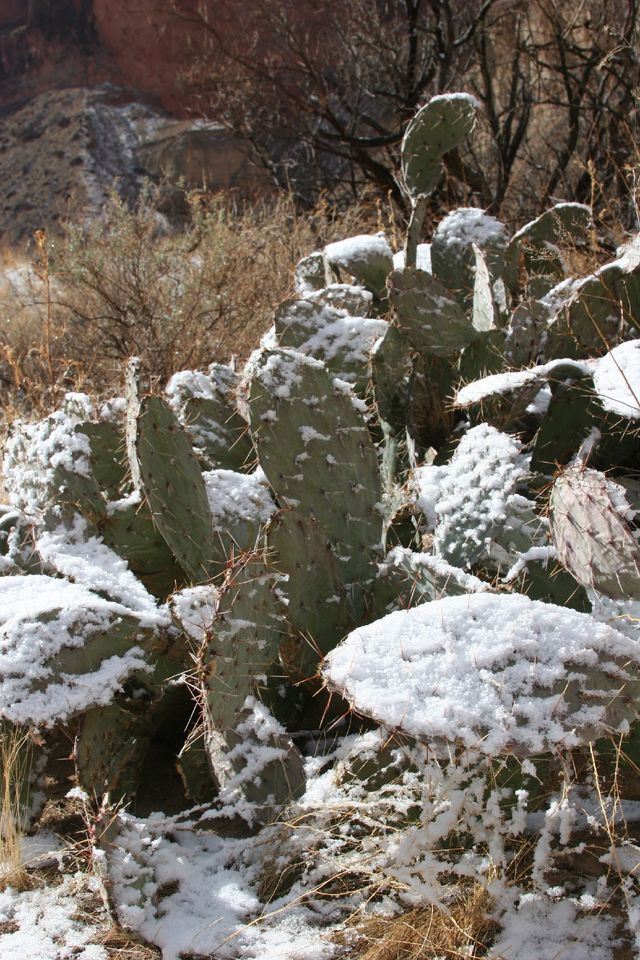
(52, 44)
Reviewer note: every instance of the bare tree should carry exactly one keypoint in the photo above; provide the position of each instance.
(324, 91)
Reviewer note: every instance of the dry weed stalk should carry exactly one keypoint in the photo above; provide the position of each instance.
(15, 765)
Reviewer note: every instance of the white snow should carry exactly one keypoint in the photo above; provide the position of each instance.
(617, 380)
(544, 929)
(40, 617)
(465, 226)
(234, 497)
(423, 258)
(91, 563)
(487, 672)
(500, 384)
(49, 922)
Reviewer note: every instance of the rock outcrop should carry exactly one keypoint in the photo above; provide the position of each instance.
(63, 151)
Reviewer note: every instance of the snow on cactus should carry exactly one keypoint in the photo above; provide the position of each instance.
(617, 380)
(496, 673)
(64, 648)
(480, 513)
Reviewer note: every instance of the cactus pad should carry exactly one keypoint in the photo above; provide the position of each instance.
(589, 518)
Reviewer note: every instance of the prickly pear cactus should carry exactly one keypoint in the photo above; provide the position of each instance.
(590, 526)
(175, 490)
(205, 405)
(249, 751)
(66, 649)
(440, 126)
(47, 466)
(481, 515)
(368, 259)
(317, 454)
(453, 258)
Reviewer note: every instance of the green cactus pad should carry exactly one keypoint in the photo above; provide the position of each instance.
(175, 490)
(407, 578)
(324, 614)
(205, 405)
(442, 124)
(241, 653)
(604, 307)
(110, 748)
(130, 531)
(240, 505)
(317, 453)
(108, 455)
(429, 314)
(532, 251)
(589, 522)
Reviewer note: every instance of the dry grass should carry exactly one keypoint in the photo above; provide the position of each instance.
(123, 285)
(430, 933)
(15, 762)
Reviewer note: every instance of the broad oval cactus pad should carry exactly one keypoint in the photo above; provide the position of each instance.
(494, 673)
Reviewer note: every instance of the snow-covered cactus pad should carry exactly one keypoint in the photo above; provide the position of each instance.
(480, 514)
(616, 380)
(240, 505)
(500, 674)
(590, 526)
(64, 648)
(368, 259)
(47, 465)
(205, 405)
(329, 334)
(453, 258)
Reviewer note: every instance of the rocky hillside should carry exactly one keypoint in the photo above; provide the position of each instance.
(90, 96)
(61, 153)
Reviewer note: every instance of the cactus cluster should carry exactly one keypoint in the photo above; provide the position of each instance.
(403, 437)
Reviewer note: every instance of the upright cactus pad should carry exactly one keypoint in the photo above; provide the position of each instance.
(442, 124)
(316, 451)
(533, 250)
(205, 405)
(589, 520)
(175, 490)
(429, 314)
(241, 652)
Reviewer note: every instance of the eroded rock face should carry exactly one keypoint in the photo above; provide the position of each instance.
(63, 151)
(47, 44)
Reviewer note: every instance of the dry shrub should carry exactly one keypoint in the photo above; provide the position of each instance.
(124, 284)
(429, 933)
